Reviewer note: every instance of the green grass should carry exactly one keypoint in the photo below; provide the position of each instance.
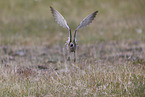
(111, 50)
(117, 20)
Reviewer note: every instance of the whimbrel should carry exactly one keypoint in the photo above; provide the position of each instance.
(72, 43)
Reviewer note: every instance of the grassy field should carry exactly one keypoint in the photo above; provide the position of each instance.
(111, 52)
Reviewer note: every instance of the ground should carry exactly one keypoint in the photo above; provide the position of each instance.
(110, 54)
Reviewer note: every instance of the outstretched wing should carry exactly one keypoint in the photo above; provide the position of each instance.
(59, 18)
(86, 21)
(61, 21)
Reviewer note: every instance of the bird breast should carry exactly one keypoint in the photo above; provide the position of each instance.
(72, 47)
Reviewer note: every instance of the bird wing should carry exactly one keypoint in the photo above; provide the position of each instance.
(59, 18)
(87, 20)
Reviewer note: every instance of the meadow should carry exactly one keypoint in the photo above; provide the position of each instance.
(111, 50)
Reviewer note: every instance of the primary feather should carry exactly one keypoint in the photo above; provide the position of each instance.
(86, 21)
(59, 18)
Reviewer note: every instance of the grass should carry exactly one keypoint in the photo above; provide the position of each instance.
(92, 80)
(26, 19)
(111, 52)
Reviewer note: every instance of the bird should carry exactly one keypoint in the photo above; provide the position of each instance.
(72, 41)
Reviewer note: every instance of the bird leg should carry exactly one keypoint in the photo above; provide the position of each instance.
(74, 56)
(68, 55)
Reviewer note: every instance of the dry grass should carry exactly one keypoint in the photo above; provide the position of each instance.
(108, 69)
(111, 60)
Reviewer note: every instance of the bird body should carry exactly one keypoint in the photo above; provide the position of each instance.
(72, 45)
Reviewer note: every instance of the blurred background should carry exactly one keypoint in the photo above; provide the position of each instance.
(30, 22)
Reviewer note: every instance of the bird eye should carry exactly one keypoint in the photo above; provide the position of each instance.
(71, 45)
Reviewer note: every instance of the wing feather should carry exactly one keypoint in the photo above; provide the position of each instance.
(87, 20)
(59, 18)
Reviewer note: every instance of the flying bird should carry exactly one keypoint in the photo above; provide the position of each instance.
(72, 43)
